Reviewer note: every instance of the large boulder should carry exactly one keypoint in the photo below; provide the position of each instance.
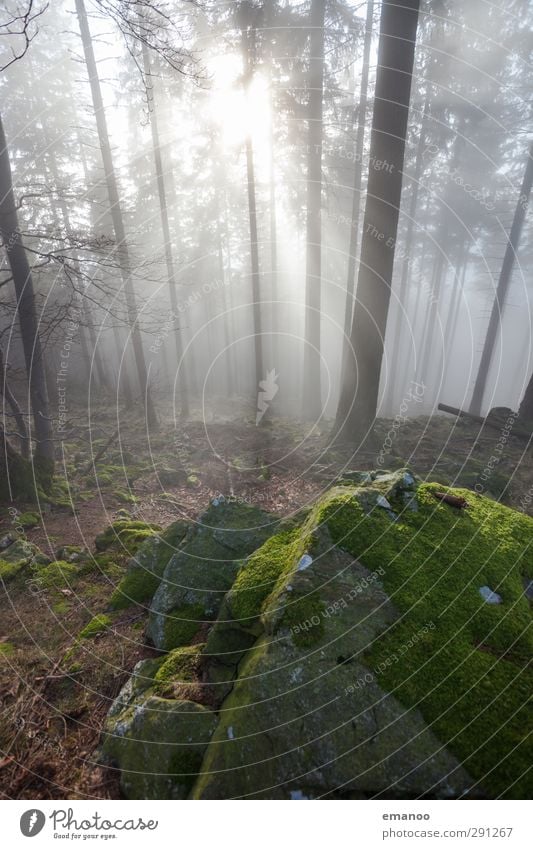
(203, 570)
(306, 717)
(353, 654)
(157, 743)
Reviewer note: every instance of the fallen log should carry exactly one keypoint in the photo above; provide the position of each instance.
(453, 500)
(495, 423)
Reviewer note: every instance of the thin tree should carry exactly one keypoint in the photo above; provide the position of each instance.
(169, 259)
(312, 402)
(115, 211)
(27, 315)
(356, 201)
(502, 288)
(245, 18)
(359, 394)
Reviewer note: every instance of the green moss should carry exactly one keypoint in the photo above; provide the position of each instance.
(56, 575)
(125, 497)
(28, 520)
(181, 665)
(469, 675)
(146, 569)
(304, 618)
(10, 570)
(98, 625)
(126, 534)
(7, 649)
(260, 573)
(182, 623)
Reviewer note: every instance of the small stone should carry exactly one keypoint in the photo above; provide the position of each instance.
(489, 595)
(528, 588)
(6, 541)
(304, 562)
(381, 501)
(231, 735)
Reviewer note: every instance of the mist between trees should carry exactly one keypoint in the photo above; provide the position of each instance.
(194, 195)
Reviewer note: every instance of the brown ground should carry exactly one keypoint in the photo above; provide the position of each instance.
(50, 715)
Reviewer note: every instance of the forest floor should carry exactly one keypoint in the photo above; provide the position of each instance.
(56, 689)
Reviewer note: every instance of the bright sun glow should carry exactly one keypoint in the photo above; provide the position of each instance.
(238, 113)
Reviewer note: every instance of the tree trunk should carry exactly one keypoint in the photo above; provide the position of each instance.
(23, 282)
(525, 411)
(17, 413)
(503, 287)
(356, 202)
(247, 49)
(312, 400)
(169, 259)
(359, 394)
(116, 212)
(402, 291)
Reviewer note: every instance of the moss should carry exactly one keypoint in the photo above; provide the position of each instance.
(259, 574)
(98, 625)
(125, 497)
(182, 665)
(10, 570)
(56, 575)
(7, 649)
(471, 678)
(304, 618)
(28, 520)
(182, 623)
(125, 533)
(146, 569)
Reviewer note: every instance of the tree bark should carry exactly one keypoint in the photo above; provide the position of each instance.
(169, 259)
(23, 282)
(525, 411)
(503, 287)
(116, 212)
(356, 202)
(359, 394)
(18, 415)
(402, 290)
(312, 400)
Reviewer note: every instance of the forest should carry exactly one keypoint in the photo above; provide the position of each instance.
(266, 387)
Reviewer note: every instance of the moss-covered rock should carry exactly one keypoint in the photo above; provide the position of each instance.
(17, 556)
(98, 625)
(146, 568)
(157, 743)
(296, 722)
(125, 534)
(201, 572)
(28, 520)
(353, 657)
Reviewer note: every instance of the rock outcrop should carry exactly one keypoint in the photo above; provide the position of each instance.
(348, 654)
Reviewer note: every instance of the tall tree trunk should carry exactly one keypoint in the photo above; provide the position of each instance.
(525, 411)
(503, 287)
(169, 259)
(396, 389)
(356, 201)
(84, 306)
(23, 282)
(116, 212)
(16, 412)
(312, 396)
(359, 394)
(248, 36)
